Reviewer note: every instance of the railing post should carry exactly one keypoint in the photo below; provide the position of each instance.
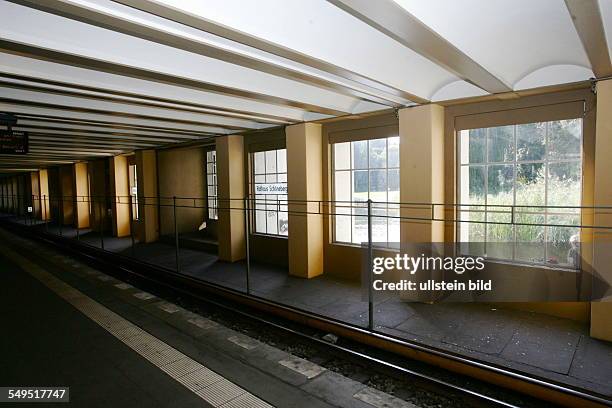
(131, 224)
(176, 237)
(370, 260)
(247, 228)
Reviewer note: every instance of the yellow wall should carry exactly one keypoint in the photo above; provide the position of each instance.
(181, 174)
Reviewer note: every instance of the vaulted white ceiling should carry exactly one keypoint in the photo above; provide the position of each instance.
(90, 78)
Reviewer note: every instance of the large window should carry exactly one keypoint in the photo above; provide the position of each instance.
(211, 184)
(366, 169)
(270, 189)
(525, 174)
(133, 179)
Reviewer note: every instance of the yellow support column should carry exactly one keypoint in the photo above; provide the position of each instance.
(43, 182)
(81, 192)
(146, 169)
(120, 192)
(304, 189)
(601, 312)
(231, 193)
(421, 131)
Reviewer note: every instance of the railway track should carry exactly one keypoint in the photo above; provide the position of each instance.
(356, 353)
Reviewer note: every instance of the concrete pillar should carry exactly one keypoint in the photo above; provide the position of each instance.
(43, 183)
(66, 182)
(421, 131)
(120, 191)
(305, 184)
(98, 191)
(601, 312)
(35, 189)
(146, 168)
(231, 192)
(81, 193)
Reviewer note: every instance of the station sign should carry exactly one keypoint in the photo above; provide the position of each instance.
(13, 142)
(271, 188)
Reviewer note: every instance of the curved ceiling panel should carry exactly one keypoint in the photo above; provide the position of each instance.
(321, 30)
(508, 38)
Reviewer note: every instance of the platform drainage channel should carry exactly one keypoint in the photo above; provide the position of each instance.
(207, 384)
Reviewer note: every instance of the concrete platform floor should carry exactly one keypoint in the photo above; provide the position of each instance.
(549, 347)
(68, 324)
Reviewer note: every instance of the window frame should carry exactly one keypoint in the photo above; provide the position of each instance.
(279, 202)
(133, 182)
(515, 163)
(351, 169)
(216, 187)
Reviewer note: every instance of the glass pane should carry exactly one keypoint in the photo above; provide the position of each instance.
(530, 139)
(472, 184)
(564, 184)
(260, 221)
(393, 151)
(342, 186)
(360, 185)
(378, 185)
(500, 236)
(342, 156)
(472, 230)
(360, 228)
(563, 245)
(259, 162)
(500, 185)
(501, 144)
(530, 184)
(271, 161)
(394, 188)
(564, 139)
(272, 222)
(271, 178)
(282, 178)
(283, 223)
(379, 228)
(473, 146)
(360, 154)
(343, 228)
(260, 179)
(378, 153)
(530, 246)
(281, 161)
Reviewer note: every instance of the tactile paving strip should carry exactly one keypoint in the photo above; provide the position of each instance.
(207, 384)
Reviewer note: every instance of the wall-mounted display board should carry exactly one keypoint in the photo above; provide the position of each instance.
(13, 142)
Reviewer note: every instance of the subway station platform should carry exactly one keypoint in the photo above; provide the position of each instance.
(116, 345)
(552, 348)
